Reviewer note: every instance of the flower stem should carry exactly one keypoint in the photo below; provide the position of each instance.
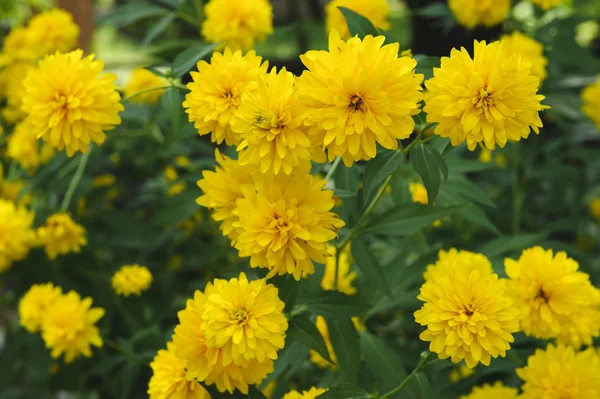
(75, 180)
(516, 189)
(151, 89)
(422, 362)
(333, 168)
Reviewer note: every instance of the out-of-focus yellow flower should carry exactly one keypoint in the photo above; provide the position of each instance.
(312, 393)
(314, 356)
(488, 99)
(170, 173)
(555, 298)
(591, 102)
(496, 391)
(418, 193)
(169, 381)
(53, 30)
(345, 276)
(376, 11)
(34, 305)
(595, 208)
(131, 280)
(141, 80)
(11, 79)
(460, 373)
(176, 189)
(481, 12)
(270, 389)
(183, 162)
(105, 180)
(355, 102)
(69, 327)
(216, 92)
(237, 23)
(61, 235)
(486, 156)
(11, 190)
(16, 235)
(16, 47)
(529, 49)
(548, 4)
(25, 148)
(70, 110)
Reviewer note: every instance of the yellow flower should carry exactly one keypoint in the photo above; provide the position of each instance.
(467, 314)
(61, 235)
(377, 11)
(12, 79)
(11, 190)
(269, 390)
(469, 261)
(16, 234)
(460, 373)
(556, 300)
(488, 99)
(221, 189)
(26, 149)
(169, 380)
(285, 224)
(561, 372)
(237, 23)
(70, 110)
(17, 47)
(314, 356)
(34, 305)
(481, 12)
(595, 208)
(496, 391)
(312, 393)
(548, 4)
(52, 31)
(142, 79)
(270, 120)
(418, 193)
(591, 102)
(170, 173)
(176, 189)
(356, 102)
(529, 49)
(216, 92)
(345, 276)
(69, 327)
(105, 180)
(131, 280)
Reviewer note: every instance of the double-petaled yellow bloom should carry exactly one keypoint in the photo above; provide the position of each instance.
(481, 12)
(496, 391)
(51, 31)
(529, 49)
(312, 393)
(16, 234)
(61, 235)
(25, 148)
(131, 280)
(34, 305)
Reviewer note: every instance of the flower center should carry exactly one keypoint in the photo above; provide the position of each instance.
(241, 316)
(356, 103)
(543, 295)
(483, 100)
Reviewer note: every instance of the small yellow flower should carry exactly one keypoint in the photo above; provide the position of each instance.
(131, 280)
(105, 180)
(142, 79)
(418, 193)
(548, 4)
(17, 47)
(488, 99)
(529, 49)
(53, 30)
(34, 305)
(486, 156)
(26, 148)
(61, 235)
(216, 92)
(376, 11)
(176, 189)
(69, 327)
(355, 102)
(496, 391)
(183, 162)
(556, 300)
(595, 208)
(460, 373)
(591, 102)
(12, 78)
(312, 393)
(170, 173)
(345, 276)
(560, 372)
(237, 23)
(314, 356)
(16, 234)
(169, 380)
(481, 12)
(70, 110)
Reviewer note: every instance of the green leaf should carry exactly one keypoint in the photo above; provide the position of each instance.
(132, 12)
(346, 346)
(407, 219)
(357, 24)
(288, 290)
(290, 357)
(426, 162)
(158, 27)
(334, 305)
(171, 102)
(369, 266)
(383, 360)
(304, 331)
(460, 187)
(346, 391)
(378, 170)
(187, 59)
(477, 216)
(423, 384)
(425, 65)
(255, 393)
(503, 245)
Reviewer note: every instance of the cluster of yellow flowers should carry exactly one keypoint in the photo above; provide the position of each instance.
(66, 321)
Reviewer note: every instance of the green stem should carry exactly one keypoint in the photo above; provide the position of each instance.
(139, 93)
(333, 167)
(75, 180)
(414, 142)
(408, 377)
(516, 191)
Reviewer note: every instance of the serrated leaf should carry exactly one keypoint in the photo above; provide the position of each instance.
(345, 343)
(187, 59)
(358, 24)
(369, 266)
(426, 165)
(346, 391)
(334, 305)
(132, 12)
(382, 360)
(378, 169)
(304, 331)
(158, 27)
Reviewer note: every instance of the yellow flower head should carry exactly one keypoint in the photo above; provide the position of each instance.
(70, 110)
(216, 92)
(34, 305)
(221, 189)
(561, 372)
(312, 393)
(496, 391)
(105, 180)
(548, 4)
(142, 79)
(12, 78)
(17, 47)
(270, 120)
(345, 276)
(52, 31)
(69, 327)
(61, 235)
(169, 379)
(467, 314)
(16, 235)
(26, 149)
(131, 280)
(11, 190)
(170, 173)
(460, 373)
(237, 23)
(595, 208)
(556, 300)
(481, 12)
(314, 356)
(286, 223)
(376, 11)
(469, 261)
(591, 102)
(418, 193)
(529, 49)
(356, 102)
(176, 189)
